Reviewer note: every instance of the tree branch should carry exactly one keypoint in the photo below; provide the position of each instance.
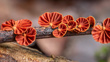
(7, 36)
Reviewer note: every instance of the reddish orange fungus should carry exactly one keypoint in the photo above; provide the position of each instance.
(100, 34)
(91, 19)
(61, 31)
(19, 26)
(71, 25)
(26, 38)
(82, 24)
(106, 23)
(52, 19)
(67, 18)
(8, 25)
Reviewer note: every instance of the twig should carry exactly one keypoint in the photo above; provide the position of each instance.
(7, 36)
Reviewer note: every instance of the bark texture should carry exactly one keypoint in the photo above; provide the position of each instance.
(6, 36)
(12, 52)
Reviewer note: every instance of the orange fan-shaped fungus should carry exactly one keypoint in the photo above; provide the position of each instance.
(67, 18)
(26, 38)
(82, 24)
(71, 25)
(19, 26)
(8, 25)
(61, 31)
(106, 23)
(100, 35)
(52, 19)
(91, 19)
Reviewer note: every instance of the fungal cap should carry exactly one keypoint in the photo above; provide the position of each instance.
(7, 26)
(61, 31)
(21, 26)
(82, 24)
(52, 19)
(91, 19)
(71, 25)
(26, 38)
(67, 18)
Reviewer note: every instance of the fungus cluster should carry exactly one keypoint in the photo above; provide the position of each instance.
(26, 34)
(65, 24)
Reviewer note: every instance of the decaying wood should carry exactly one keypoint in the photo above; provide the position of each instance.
(6, 36)
(12, 52)
(41, 33)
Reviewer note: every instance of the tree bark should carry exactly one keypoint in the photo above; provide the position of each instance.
(13, 52)
(42, 32)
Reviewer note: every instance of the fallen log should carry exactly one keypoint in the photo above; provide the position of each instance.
(13, 52)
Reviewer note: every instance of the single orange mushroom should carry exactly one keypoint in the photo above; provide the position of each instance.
(27, 37)
(82, 24)
(102, 33)
(91, 19)
(22, 25)
(8, 25)
(106, 23)
(61, 31)
(52, 19)
(67, 18)
(71, 25)
(19, 26)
